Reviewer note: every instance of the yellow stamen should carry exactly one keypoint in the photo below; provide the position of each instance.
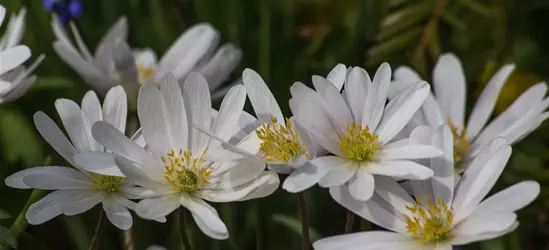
(431, 223)
(185, 172)
(144, 72)
(280, 142)
(358, 143)
(107, 183)
(462, 144)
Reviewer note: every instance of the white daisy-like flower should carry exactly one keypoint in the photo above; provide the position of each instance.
(357, 128)
(176, 167)
(14, 76)
(281, 142)
(113, 63)
(447, 106)
(442, 215)
(78, 190)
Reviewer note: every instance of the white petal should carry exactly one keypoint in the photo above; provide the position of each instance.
(410, 151)
(237, 172)
(403, 77)
(152, 117)
(121, 145)
(53, 135)
(375, 101)
(59, 178)
(405, 105)
(79, 201)
(80, 43)
(138, 175)
(84, 68)
(487, 100)
(371, 210)
(13, 57)
(16, 180)
(337, 76)
(221, 65)
(98, 162)
(443, 182)
(334, 104)
(400, 169)
(177, 114)
(262, 99)
(532, 97)
(361, 185)
(480, 177)
(91, 108)
(390, 191)
(229, 112)
(367, 240)
(310, 173)
(355, 91)
(338, 175)
(117, 32)
(76, 124)
(510, 199)
(150, 208)
(245, 191)
(115, 108)
(199, 103)
(207, 215)
(266, 188)
(188, 50)
(466, 239)
(450, 87)
(46, 208)
(117, 214)
(485, 223)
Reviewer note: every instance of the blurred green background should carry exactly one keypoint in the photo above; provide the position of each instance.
(288, 41)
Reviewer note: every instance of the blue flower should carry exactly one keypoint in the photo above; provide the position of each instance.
(65, 9)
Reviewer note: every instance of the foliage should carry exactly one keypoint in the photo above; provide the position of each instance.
(288, 41)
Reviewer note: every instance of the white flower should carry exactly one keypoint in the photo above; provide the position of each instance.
(447, 106)
(441, 216)
(282, 142)
(14, 76)
(357, 128)
(79, 190)
(176, 168)
(114, 62)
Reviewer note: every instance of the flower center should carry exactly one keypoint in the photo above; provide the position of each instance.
(145, 73)
(431, 223)
(185, 172)
(462, 144)
(280, 142)
(358, 143)
(107, 183)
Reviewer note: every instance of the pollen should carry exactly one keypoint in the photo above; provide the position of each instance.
(431, 222)
(358, 143)
(185, 172)
(280, 142)
(462, 144)
(107, 183)
(144, 72)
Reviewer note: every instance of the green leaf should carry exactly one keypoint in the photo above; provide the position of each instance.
(18, 138)
(294, 224)
(405, 17)
(47, 83)
(4, 214)
(7, 239)
(495, 244)
(385, 48)
(453, 20)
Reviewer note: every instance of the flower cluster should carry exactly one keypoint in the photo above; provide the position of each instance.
(387, 148)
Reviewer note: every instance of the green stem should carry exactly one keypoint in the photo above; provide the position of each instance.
(182, 230)
(349, 222)
(259, 239)
(98, 230)
(264, 40)
(304, 221)
(20, 224)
